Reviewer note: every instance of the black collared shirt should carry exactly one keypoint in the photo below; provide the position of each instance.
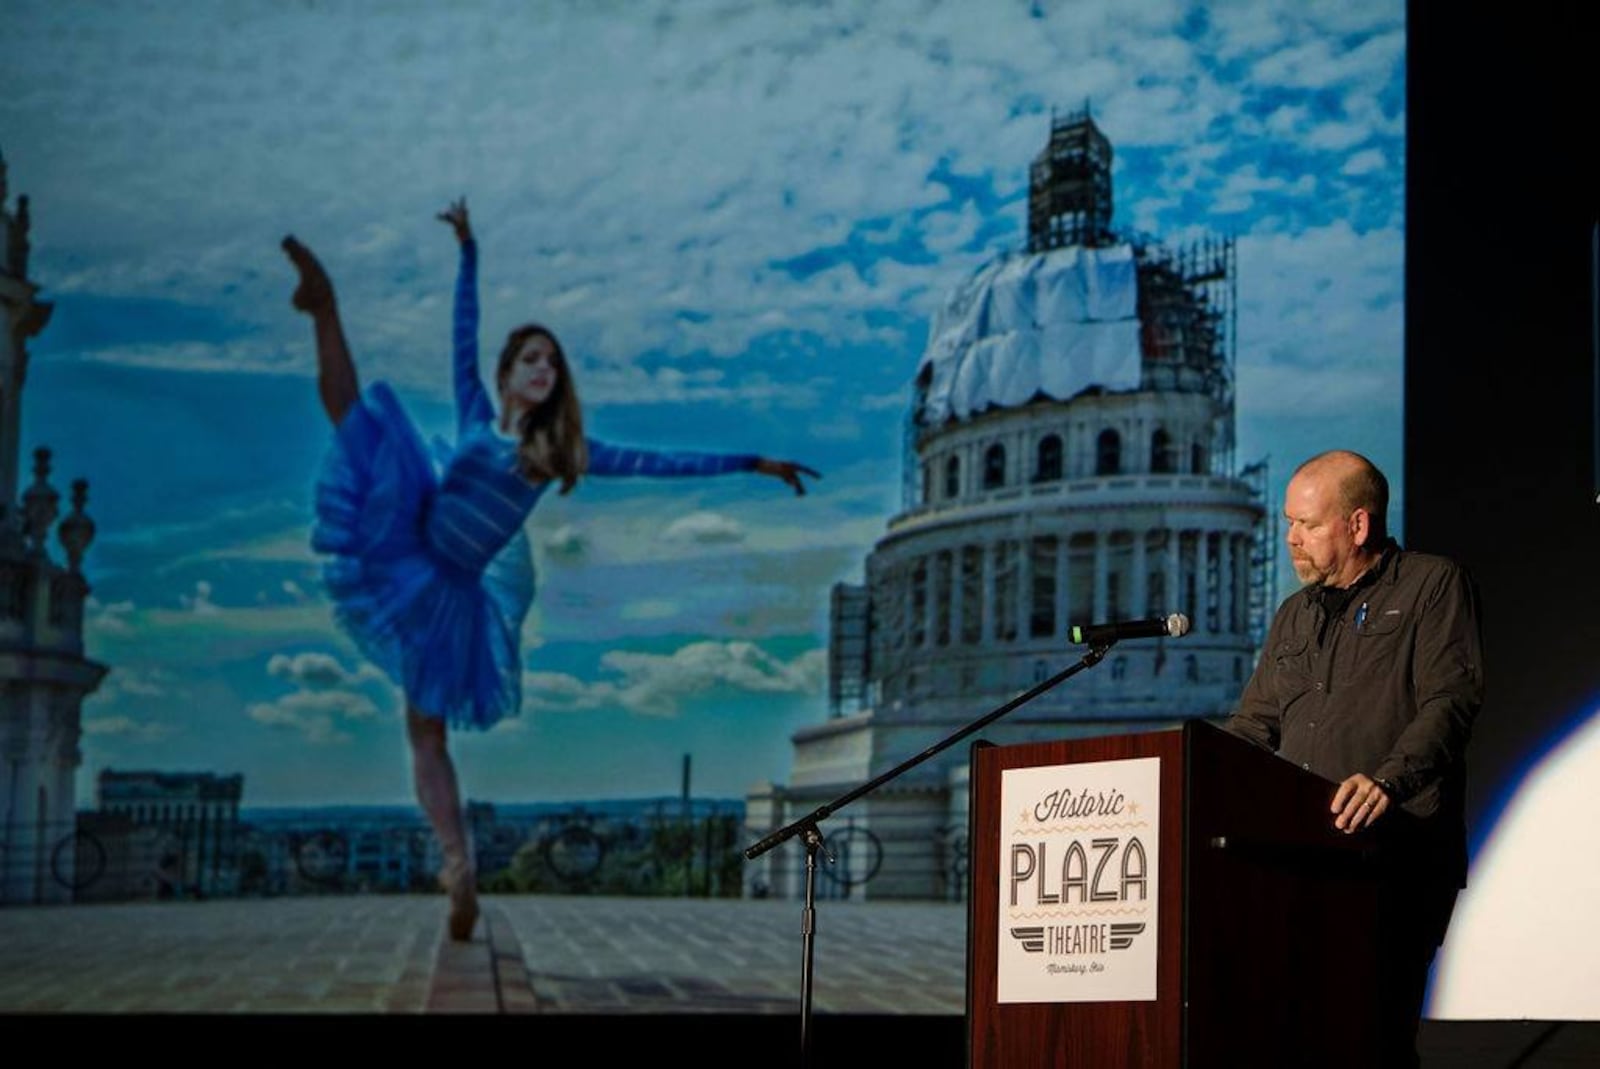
(1384, 679)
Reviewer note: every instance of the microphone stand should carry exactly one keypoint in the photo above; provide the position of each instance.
(811, 834)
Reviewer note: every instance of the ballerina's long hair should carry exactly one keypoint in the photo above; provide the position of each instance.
(552, 446)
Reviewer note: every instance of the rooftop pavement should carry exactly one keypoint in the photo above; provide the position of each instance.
(722, 977)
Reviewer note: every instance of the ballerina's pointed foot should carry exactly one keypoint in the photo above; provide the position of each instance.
(315, 292)
(463, 917)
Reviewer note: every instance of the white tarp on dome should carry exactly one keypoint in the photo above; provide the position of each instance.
(1022, 325)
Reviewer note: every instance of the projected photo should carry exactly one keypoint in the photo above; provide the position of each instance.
(550, 447)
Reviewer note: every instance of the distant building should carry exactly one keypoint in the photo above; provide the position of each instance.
(1069, 460)
(336, 849)
(166, 834)
(44, 675)
(574, 847)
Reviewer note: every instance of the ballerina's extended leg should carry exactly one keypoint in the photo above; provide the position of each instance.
(336, 372)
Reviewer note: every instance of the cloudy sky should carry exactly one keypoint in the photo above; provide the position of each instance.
(738, 218)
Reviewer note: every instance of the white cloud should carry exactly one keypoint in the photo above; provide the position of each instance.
(1238, 192)
(650, 609)
(125, 727)
(110, 619)
(705, 528)
(319, 670)
(1320, 321)
(200, 602)
(657, 685)
(1367, 162)
(124, 681)
(316, 714)
(566, 542)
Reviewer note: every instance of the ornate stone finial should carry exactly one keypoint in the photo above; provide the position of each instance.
(77, 530)
(40, 503)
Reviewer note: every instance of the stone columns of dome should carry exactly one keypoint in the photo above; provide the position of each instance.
(950, 565)
(1170, 568)
(1139, 595)
(1205, 616)
(1101, 567)
(1225, 583)
(1241, 583)
(974, 593)
(1186, 589)
(1063, 581)
(916, 608)
(986, 630)
(1024, 606)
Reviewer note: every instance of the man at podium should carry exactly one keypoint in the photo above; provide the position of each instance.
(1370, 677)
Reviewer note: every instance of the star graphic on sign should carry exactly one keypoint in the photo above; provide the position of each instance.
(1026, 816)
(1133, 808)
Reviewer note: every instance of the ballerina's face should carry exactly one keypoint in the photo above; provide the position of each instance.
(532, 375)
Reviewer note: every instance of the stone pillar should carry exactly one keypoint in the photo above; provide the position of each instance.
(953, 594)
(1101, 566)
(1063, 581)
(1225, 583)
(986, 630)
(1024, 605)
(1138, 587)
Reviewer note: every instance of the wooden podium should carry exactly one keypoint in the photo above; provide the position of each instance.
(1263, 915)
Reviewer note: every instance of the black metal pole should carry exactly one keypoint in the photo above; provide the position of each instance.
(808, 933)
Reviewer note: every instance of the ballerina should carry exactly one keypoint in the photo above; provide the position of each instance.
(425, 559)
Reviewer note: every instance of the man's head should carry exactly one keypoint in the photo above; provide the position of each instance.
(1336, 508)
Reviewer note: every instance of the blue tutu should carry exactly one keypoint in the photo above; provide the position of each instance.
(444, 625)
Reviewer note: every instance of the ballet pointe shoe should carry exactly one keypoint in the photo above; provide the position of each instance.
(461, 885)
(314, 294)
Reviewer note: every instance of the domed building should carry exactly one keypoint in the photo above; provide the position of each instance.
(1070, 460)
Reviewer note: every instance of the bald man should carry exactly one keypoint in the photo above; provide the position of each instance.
(1371, 676)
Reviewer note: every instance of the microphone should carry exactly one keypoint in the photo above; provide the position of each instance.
(1174, 626)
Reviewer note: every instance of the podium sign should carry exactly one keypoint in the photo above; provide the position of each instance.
(1079, 882)
(1164, 899)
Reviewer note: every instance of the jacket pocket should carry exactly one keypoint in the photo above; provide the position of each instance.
(1378, 647)
(1293, 659)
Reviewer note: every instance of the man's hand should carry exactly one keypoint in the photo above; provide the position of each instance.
(1358, 803)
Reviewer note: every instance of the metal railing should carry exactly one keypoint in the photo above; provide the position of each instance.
(651, 851)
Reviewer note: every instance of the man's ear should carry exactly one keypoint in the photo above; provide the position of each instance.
(1360, 526)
